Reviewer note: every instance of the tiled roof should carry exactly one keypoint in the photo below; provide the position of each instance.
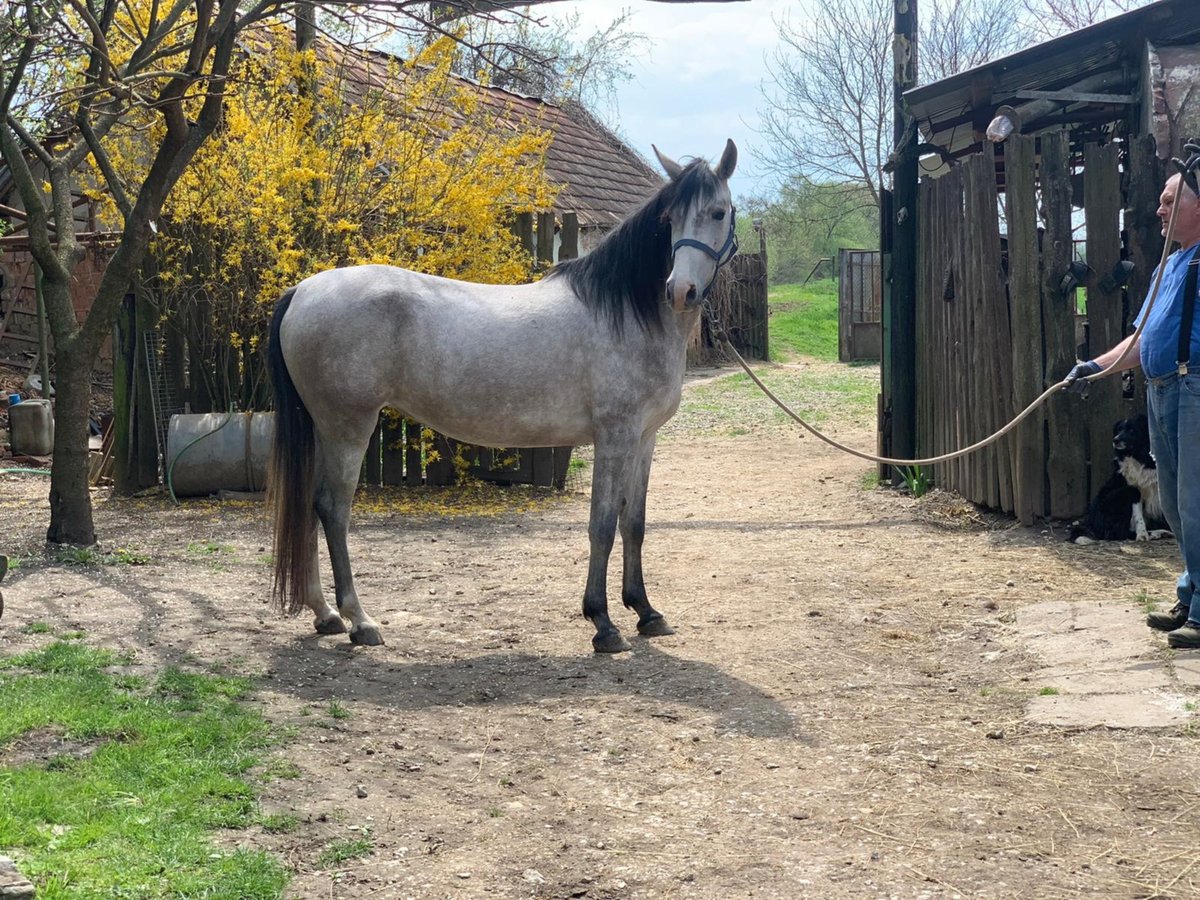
(602, 179)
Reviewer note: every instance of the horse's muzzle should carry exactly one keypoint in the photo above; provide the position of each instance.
(682, 294)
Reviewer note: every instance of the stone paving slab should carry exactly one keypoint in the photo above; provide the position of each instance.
(1107, 668)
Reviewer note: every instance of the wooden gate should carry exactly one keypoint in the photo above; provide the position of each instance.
(860, 305)
(739, 300)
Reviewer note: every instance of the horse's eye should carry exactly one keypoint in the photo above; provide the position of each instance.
(719, 215)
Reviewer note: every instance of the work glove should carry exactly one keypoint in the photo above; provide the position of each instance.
(1076, 379)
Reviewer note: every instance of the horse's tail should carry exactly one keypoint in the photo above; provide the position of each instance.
(291, 488)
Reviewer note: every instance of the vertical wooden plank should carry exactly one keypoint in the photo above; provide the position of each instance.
(980, 473)
(952, 206)
(939, 346)
(391, 436)
(542, 462)
(562, 465)
(999, 326)
(1066, 462)
(545, 239)
(439, 472)
(414, 475)
(569, 248)
(522, 227)
(1146, 175)
(1102, 206)
(373, 462)
(1026, 309)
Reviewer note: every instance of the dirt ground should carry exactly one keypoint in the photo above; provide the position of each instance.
(868, 695)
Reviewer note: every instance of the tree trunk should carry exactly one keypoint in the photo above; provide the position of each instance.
(70, 501)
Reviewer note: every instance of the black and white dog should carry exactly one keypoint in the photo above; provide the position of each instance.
(1128, 505)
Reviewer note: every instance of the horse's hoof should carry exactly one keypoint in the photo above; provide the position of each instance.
(330, 625)
(366, 635)
(656, 627)
(610, 642)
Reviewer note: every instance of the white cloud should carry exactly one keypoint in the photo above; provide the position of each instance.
(698, 83)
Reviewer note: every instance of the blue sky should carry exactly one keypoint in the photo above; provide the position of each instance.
(699, 81)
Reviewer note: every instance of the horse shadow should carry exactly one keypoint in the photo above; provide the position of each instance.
(317, 669)
(656, 683)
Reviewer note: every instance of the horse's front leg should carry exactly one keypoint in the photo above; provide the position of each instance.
(609, 472)
(633, 531)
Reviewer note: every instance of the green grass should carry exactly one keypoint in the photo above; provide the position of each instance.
(87, 556)
(115, 783)
(343, 850)
(804, 320)
(733, 405)
(1048, 692)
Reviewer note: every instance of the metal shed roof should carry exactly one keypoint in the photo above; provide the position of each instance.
(954, 112)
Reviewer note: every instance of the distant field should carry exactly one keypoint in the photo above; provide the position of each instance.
(804, 320)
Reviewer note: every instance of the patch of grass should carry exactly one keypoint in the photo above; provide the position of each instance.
(1048, 692)
(733, 404)
(1146, 601)
(36, 628)
(89, 556)
(337, 711)
(869, 480)
(342, 850)
(804, 320)
(281, 769)
(146, 770)
(208, 548)
(278, 823)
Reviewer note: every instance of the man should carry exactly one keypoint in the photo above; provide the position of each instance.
(1172, 368)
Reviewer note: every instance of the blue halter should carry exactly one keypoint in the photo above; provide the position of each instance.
(727, 252)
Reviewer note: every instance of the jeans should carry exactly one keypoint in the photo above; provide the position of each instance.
(1173, 407)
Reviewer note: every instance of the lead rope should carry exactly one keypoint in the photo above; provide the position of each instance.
(719, 332)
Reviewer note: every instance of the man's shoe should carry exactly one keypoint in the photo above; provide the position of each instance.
(1185, 638)
(1168, 621)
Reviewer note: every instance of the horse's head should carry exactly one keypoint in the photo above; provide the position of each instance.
(701, 214)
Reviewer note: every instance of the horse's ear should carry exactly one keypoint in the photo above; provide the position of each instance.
(728, 161)
(672, 168)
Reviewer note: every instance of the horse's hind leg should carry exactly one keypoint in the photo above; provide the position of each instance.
(633, 531)
(326, 619)
(339, 464)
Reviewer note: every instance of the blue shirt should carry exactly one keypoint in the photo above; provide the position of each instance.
(1160, 340)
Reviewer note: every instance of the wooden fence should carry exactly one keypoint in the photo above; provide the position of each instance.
(739, 300)
(403, 452)
(995, 327)
(860, 305)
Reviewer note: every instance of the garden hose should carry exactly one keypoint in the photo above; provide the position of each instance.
(188, 446)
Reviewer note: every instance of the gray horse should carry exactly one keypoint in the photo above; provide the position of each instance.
(593, 353)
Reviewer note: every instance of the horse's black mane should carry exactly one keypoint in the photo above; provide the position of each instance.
(629, 268)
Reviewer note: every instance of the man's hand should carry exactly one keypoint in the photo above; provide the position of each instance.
(1076, 380)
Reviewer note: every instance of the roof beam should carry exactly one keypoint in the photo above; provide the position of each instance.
(1076, 97)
